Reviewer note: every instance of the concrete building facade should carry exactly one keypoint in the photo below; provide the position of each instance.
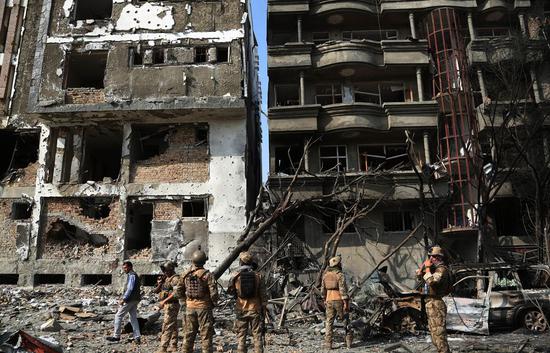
(130, 131)
(357, 74)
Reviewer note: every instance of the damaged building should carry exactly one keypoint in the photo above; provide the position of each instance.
(354, 76)
(130, 130)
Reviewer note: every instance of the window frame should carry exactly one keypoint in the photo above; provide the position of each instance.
(337, 156)
(332, 95)
(402, 212)
(385, 153)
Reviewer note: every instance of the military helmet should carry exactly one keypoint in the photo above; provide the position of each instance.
(246, 257)
(436, 251)
(169, 265)
(335, 261)
(199, 257)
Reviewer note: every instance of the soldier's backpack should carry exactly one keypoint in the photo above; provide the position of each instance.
(247, 284)
(195, 285)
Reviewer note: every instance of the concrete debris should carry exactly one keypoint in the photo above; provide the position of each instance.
(51, 326)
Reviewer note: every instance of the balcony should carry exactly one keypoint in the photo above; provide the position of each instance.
(375, 53)
(287, 6)
(401, 5)
(294, 118)
(496, 47)
(324, 6)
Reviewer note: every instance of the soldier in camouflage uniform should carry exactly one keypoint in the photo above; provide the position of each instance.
(436, 276)
(198, 287)
(171, 306)
(250, 307)
(335, 291)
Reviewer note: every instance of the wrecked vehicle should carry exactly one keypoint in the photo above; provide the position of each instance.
(515, 296)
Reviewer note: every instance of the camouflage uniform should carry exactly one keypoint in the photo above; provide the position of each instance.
(198, 313)
(249, 312)
(438, 287)
(169, 336)
(335, 291)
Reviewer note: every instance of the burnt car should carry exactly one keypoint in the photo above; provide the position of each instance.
(513, 296)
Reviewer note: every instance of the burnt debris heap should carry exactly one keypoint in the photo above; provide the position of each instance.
(129, 129)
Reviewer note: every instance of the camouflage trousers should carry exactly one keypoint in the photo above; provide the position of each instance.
(254, 320)
(333, 308)
(437, 313)
(169, 335)
(198, 321)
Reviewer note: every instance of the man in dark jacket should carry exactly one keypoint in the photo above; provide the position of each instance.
(128, 304)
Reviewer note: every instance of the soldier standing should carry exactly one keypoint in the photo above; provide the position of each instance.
(249, 288)
(436, 275)
(198, 287)
(335, 291)
(171, 306)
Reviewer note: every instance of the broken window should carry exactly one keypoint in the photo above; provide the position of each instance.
(222, 54)
(93, 9)
(5, 21)
(398, 221)
(330, 223)
(287, 95)
(19, 150)
(287, 158)
(9, 279)
(201, 54)
(21, 210)
(328, 94)
(158, 56)
(367, 93)
(138, 229)
(194, 208)
(85, 70)
(333, 158)
(102, 153)
(41, 279)
(136, 58)
(386, 157)
(95, 208)
(96, 280)
(376, 35)
(149, 141)
(201, 134)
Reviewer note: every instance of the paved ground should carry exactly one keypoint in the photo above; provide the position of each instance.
(26, 309)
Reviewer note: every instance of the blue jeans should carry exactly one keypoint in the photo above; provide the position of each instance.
(131, 309)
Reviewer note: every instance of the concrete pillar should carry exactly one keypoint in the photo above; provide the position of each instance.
(411, 23)
(419, 84)
(522, 26)
(482, 84)
(59, 158)
(302, 89)
(536, 88)
(306, 156)
(74, 177)
(471, 26)
(427, 158)
(299, 27)
(126, 145)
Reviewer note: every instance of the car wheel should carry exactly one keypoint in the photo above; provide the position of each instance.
(534, 321)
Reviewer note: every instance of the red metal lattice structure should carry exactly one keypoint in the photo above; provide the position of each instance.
(457, 124)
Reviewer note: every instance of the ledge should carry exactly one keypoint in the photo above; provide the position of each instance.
(287, 6)
(294, 118)
(323, 6)
(289, 55)
(356, 115)
(494, 50)
(412, 114)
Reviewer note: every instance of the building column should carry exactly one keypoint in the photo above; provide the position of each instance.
(427, 158)
(59, 158)
(126, 150)
(521, 18)
(299, 27)
(471, 26)
(481, 84)
(76, 161)
(536, 89)
(411, 23)
(302, 89)
(306, 155)
(419, 84)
